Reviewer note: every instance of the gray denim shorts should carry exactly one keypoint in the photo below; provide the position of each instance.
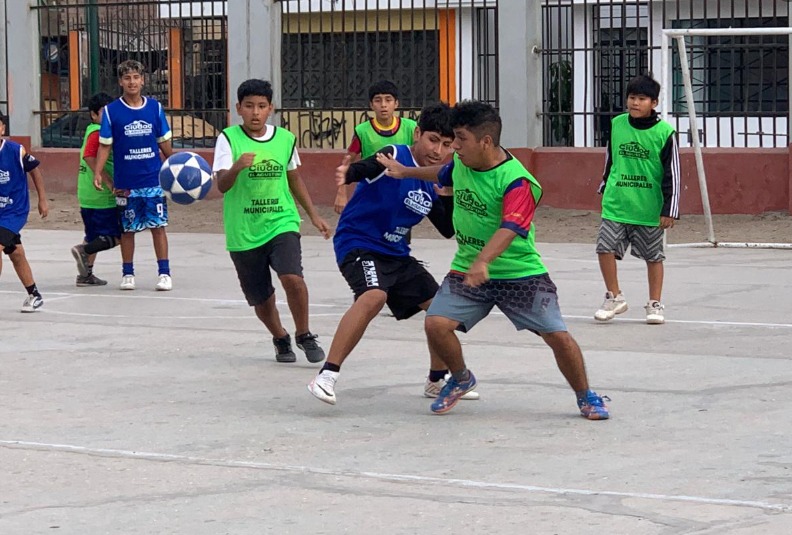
(529, 303)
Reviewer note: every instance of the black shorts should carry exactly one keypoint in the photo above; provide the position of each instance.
(282, 253)
(9, 240)
(403, 278)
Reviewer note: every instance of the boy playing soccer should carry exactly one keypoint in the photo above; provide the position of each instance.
(640, 196)
(371, 249)
(256, 170)
(135, 129)
(97, 207)
(15, 165)
(496, 263)
(384, 129)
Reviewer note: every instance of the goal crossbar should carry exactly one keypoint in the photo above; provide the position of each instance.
(679, 36)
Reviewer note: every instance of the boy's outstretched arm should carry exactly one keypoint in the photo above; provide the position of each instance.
(395, 169)
(370, 168)
(300, 192)
(166, 147)
(442, 212)
(38, 183)
(102, 155)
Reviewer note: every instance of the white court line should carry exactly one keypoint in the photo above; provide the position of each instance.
(160, 296)
(467, 483)
(692, 322)
(171, 317)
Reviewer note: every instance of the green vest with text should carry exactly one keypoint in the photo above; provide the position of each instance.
(87, 195)
(478, 213)
(371, 141)
(633, 192)
(259, 206)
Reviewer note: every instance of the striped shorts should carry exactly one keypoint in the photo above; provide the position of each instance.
(644, 242)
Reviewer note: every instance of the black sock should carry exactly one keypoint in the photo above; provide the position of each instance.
(90, 270)
(436, 375)
(32, 290)
(462, 375)
(330, 367)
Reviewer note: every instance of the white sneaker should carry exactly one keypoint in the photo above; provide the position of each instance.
(613, 304)
(127, 282)
(323, 386)
(164, 284)
(432, 390)
(655, 313)
(32, 303)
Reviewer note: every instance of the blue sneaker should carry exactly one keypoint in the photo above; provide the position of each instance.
(593, 407)
(452, 392)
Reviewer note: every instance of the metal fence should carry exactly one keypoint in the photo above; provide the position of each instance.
(592, 48)
(182, 45)
(433, 50)
(333, 51)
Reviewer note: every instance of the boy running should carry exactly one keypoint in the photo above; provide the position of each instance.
(255, 165)
(640, 197)
(384, 129)
(496, 263)
(97, 207)
(15, 165)
(372, 252)
(135, 129)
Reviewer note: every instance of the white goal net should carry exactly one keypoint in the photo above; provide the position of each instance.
(679, 37)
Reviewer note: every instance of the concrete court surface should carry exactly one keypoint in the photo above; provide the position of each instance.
(165, 413)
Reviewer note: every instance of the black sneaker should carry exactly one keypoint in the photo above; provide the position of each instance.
(78, 252)
(307, 342)
(283, 349)
(90, 280)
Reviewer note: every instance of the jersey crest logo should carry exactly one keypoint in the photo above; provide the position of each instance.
(138, 128)
(634, 150)
(419, 202)
(266, 170)
(5, 177)
(470, 201)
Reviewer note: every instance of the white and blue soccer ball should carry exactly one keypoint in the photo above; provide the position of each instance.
(185, 177)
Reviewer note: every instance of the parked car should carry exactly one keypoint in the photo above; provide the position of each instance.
(68, 131)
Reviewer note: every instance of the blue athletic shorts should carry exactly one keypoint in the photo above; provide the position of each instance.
(529, 303)
(143, 209)
(100, 222)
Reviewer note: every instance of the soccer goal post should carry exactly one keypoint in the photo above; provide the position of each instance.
(680, 35)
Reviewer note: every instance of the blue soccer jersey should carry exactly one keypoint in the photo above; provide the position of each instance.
(383, 210)
(14, 196)
(135, 134)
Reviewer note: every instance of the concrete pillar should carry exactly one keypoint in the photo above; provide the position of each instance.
(520, 72)
(254, 47)
(3, 67)
(24, 69)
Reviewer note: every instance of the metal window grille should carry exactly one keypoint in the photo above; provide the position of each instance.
(182, 46)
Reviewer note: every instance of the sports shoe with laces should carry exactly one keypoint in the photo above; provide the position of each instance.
(307, 342)
(32, 303)
(323, 386)
(283, 349)
(90, 280)
(432, 390)
(164, 283)
(452, 392)
(655, 313)
(78, 252)
(613, 304)
(593, 407)
(127, 282)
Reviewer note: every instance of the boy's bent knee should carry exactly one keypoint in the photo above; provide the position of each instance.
(439, 325)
